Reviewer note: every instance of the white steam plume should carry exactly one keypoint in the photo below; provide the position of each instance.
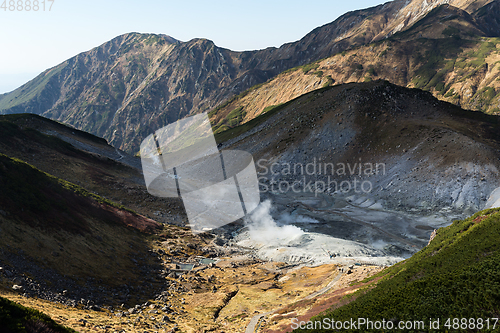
(264, 229)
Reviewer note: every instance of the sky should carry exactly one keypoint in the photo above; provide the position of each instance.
(33, 41)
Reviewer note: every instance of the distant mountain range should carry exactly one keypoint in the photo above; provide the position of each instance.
(136, 83)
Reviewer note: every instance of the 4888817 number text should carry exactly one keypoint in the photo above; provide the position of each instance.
(27, 5)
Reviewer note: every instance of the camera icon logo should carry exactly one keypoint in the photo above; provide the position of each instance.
(216, 187)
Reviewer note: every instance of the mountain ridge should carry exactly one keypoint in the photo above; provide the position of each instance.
(456, 62)
(420, 139)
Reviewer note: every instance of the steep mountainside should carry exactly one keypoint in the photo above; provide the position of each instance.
(435, 155)
(57, 236)
(85, 160)
(128, 87)
(71, 249)
(445, 53)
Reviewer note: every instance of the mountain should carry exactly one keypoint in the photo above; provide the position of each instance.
(57, 236)
(64, 243)
(82, 207)
(436, 156)
(78, 239)
(440, 162)
(85, 160)
(68, 244)
(136, 83)
(446, 52)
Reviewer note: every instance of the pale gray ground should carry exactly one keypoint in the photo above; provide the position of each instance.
(303, 228)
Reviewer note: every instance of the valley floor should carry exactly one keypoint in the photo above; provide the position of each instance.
(218, 297)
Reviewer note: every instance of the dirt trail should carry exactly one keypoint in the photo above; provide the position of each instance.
(254, 322)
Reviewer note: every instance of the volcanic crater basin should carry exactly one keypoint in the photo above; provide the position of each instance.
(313, 230)
(435, 170)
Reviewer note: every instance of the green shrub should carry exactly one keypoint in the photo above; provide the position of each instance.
(234, 118)
(450, 92)
(309, 67)
(269, 108)
(451, 31)
(329, 81)
(318, 73)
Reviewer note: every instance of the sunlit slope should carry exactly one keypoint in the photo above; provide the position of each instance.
(456, 276)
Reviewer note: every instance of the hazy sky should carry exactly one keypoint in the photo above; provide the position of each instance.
(34, 41)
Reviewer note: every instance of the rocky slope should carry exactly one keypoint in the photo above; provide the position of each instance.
(65, 249)
(93, 265)
(52, 229)
(435, 155)
(128, 87)
(85, 160)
